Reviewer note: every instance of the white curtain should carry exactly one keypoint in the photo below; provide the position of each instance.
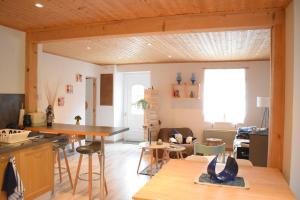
(224, 95)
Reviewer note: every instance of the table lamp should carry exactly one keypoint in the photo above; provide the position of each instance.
(264, 102)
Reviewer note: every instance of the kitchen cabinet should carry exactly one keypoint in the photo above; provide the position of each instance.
(35, 165)
(36, 169)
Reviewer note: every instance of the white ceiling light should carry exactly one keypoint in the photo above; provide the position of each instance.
(88, 48)
(169, 56)
(149, 44)
(38, 5)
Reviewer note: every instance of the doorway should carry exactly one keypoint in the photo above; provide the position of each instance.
(134, 85)
(90, 101)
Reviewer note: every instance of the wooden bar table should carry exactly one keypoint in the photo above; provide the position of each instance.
(175, 181)
(70, 129)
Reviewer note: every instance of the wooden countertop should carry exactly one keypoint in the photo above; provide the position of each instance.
(79, 129)
(175, 181)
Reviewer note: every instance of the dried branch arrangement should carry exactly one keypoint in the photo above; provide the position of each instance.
(51, 93)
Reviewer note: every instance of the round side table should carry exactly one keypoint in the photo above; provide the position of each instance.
(153, 147)
(213, 141)
(177, 149)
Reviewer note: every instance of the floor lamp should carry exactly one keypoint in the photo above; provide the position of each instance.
(264, 102)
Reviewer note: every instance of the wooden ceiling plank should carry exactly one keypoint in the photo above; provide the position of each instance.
(60, 13)
(229, 45)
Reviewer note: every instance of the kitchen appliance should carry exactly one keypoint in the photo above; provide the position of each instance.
(13, 135)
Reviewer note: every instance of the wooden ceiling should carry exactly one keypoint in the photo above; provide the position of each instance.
(180, 47)
(23, 15)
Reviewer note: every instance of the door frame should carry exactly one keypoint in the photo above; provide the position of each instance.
(94, 98)
(125, 96)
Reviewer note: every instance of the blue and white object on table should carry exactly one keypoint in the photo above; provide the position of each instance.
(228, 174)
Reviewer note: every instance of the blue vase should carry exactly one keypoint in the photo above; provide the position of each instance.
(178, 78)
(193, 78)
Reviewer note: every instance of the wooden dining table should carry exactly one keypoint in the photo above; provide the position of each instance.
(70, 129)
(176, 181)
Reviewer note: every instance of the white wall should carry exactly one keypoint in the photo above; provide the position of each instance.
(188, 113)
(12, 61)
(53, 69)
(295, 158)
(118, 102)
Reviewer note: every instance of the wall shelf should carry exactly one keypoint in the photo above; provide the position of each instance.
(186, 91)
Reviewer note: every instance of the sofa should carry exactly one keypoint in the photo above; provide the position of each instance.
(165, 134)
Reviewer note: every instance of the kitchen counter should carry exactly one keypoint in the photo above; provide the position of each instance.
(38, 139)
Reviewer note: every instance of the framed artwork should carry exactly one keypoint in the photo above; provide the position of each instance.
(69, 89)
(78, 77)
(61, 101)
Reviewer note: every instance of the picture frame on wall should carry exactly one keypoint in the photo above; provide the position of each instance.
(78, 77)
(69, 89)
(61, 101)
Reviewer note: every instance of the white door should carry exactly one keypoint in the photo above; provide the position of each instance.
(135, 84)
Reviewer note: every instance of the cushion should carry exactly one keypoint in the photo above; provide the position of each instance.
(189, 140)
(178, 138)
(172, 140)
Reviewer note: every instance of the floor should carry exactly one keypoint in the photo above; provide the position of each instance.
(122, 179)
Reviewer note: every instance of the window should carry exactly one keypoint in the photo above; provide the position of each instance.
(137, 93)
(224, 95)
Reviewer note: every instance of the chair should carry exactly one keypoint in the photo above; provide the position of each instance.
(201, 149)
(61, 145)
(94, 147)
(75, 138)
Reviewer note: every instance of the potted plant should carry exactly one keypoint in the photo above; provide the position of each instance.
(142, 103)
(77, 118)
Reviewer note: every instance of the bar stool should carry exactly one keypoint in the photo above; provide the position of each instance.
(57, 145)
(94, 147)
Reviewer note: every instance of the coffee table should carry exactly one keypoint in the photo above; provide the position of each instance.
(213, 141)
(146, 146)
(177, 149)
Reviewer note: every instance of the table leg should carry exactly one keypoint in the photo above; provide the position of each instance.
(156, 158)
(168, 155)
(164, 158)
(151, 163)
(59, 166)
(181, 156)
(68, 168)
(142, 153)
(102, 160)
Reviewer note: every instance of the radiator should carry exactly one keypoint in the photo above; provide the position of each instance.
(226, 135)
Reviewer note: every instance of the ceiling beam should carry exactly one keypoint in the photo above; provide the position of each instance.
(178, 23)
